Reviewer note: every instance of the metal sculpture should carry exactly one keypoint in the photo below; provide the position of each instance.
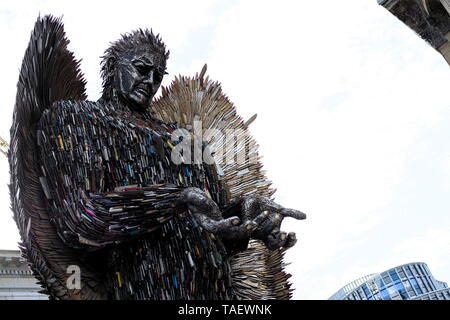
(94, 189)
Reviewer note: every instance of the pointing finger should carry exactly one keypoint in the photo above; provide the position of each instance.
(293, 214)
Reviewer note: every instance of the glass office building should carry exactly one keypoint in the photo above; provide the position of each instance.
(412, 281)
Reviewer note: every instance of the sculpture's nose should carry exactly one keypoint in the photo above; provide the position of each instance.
(148, 82)
(149, 78)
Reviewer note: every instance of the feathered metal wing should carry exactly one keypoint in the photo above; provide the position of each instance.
(257, 272)
(49, 73)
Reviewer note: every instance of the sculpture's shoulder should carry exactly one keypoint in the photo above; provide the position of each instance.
(63, 110)
(91, 120)
(91, 117)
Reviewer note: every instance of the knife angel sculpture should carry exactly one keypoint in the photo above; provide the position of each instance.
(104, 206)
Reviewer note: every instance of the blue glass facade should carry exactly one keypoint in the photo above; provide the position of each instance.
(412, 281)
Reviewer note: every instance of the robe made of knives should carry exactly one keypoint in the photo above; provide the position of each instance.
(198, 267)
(108, 178)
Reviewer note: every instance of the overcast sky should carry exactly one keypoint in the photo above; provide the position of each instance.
(353, 117)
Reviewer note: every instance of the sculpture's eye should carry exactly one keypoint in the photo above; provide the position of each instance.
(142, 68)
(157, 75)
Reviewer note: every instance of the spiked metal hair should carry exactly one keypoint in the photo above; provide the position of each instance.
(136, 40)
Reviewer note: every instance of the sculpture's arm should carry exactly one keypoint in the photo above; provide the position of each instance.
(99, 219)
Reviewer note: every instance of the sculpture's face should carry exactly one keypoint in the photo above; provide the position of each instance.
(137, 78)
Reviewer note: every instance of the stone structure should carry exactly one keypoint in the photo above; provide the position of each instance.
(16, 279)
(430, 19)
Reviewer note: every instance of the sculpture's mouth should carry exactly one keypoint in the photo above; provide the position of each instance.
(143, 91)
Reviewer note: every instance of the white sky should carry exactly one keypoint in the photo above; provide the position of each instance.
(353, 119)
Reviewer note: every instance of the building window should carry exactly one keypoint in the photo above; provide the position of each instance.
(380, 283)
(422, 269)
(385, 294)
(394, 276)
(429, 283)
(401, 273)
(447, 293)
(386, 278)
(360, 294)
(427, 271)
(402, 291)
(416, 270)
(367, 291)
(409, 288)
(408, 271)
(416, 286)
(407, 285)
(422, 285)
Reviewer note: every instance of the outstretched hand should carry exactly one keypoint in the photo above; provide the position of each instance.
(247, 217)
(269, 229)
(208, 214)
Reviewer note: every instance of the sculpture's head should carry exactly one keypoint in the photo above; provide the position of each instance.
(133, 68)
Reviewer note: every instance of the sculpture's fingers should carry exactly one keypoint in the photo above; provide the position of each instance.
(216, 226)
(281, 237)
(293, 214)
(272, 206)
(198, 202)
(291, 240)
(272, 222)
(242, 231)
(269, 205)
(275, 239)
(261, 218)
(250, 207)
(280, 240)
(246, 229)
